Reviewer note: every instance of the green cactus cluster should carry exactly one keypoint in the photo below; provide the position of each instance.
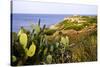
(49, 59)
(35, 45)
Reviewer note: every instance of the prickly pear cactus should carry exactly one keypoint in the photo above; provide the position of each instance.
(37, 28)
(23, 40)
(49, 59)
(14, 58)
(45, 51)
(20, 31)
(65, 41)
(31, 50)
(51, 48)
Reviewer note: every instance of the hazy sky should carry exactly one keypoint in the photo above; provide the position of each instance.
(52, 8)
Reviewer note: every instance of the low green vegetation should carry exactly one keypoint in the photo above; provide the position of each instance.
(48, 46)
(83, 22)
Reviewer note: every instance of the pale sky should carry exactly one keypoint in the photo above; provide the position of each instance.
(30, 7)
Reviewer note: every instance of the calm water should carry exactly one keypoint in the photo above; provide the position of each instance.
(26, 20)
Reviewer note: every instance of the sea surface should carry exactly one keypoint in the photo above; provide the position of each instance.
(26, 20)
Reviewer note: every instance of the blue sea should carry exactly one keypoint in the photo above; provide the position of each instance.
(26, 20)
